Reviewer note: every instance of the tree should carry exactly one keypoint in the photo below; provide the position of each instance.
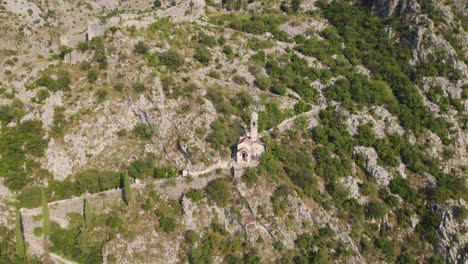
(45, 215)
(20, 247)
(157, 4)
(220, 191)
(127, 188)
(87, 212)
(295, 5)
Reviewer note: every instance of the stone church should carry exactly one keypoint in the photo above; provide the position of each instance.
(249, 147)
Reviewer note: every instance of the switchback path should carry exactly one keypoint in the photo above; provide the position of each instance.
(171, 188)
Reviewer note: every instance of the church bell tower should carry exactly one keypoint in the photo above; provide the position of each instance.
(253, 126)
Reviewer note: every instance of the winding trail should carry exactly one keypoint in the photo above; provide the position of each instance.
(171, 188)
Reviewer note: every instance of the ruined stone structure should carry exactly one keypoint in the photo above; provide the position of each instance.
(96, 28)
(249, 148)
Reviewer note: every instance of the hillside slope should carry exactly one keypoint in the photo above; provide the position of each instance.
(362, 108)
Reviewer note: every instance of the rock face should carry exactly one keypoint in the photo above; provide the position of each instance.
(381, 175)
(453, 236)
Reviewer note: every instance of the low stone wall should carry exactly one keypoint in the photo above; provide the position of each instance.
(58, 210)
(72, 40)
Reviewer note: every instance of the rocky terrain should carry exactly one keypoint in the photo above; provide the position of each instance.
(363, 109)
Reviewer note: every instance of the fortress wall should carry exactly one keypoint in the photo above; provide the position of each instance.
(73, 40)
(100, 202)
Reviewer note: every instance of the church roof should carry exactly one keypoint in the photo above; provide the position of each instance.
(248, 141)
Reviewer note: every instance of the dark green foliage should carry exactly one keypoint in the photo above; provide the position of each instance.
(12, 112)
(206, 40)
(171, 59)
(45, 215)
(202, 55)
(127, 188)
(94, 181)
(195, 194)
(216, 96)
(367, 42)
(20, 246)
(97, 44)
(295, 5)
(376, 210)
(41, 96)
(157, 3)
(295, 74)
(101, 95)
(315, 248)
(143, 131)
(140, 47)
(365, 135)
(299, 166)
(263, 82)
(228, 51)
(224, 133)
(301, 107)
(54, 81)
(164, 172)
(167, 224)
(279, 199)
(250, 177)
(357, 88)
(58, 126)
(88, 214)
(428, 225)
(141, 168)
(254, 24)
(93, 75)
(387, 247)
(270, 117)
(17, 144)
(435, 95)
(75, 244)
(460, 213)
(219, 190)
(30, 197)
(402, 187)
(333, 134)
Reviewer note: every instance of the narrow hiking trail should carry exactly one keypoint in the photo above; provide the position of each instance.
(171, 188)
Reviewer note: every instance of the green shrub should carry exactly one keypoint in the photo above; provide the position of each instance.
(119, 87)
(93, 75)
(94, 181)
(141, 47)
(101, 95)
(228, 51)
(206, 40)
(143, 131)
(19, 145)
(41, 96)
(263, 82)
(195, 194)
(138, 87)
(167, 224)
(141, 168)
(191, 237)
(164, 172)
(250, 176)
(171, 59)
(30, 197)
(61, 81)
(460, 213)
(219, 190)
(202, 55)
(376, 210)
